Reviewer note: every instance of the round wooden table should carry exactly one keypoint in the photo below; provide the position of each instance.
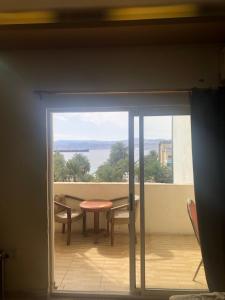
(95, 206)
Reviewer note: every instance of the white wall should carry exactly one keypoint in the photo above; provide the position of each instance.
(165, 204)
(182, 150)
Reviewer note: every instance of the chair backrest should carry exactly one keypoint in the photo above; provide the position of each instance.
(71, 201)
(125, 200)
(120, 201)
(61, 199)
(192, 212)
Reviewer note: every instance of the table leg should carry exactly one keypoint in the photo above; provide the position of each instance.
(96, 222)
(84, 223)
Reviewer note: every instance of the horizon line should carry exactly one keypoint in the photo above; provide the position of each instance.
(95, 140)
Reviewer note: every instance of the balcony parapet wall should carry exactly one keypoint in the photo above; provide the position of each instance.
(165, 204)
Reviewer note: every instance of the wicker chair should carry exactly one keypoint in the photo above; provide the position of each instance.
(119, 214)
(66, 211)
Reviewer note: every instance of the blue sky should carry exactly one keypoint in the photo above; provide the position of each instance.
(105, 126)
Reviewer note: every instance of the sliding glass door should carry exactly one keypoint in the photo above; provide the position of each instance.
(154, 167)
(164, 252)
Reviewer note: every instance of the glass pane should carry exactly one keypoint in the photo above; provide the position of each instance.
(91, 162)
(172, 253)
(137, 192)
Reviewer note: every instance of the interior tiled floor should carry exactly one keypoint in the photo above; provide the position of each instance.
(171, 261)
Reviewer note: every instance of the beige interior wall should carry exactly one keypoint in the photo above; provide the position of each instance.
(165, 205)
(156, 67)
(23, 212)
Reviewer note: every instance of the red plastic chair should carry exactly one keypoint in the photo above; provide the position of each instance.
(192, 212)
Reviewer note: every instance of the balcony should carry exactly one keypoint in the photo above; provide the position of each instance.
(172, 251)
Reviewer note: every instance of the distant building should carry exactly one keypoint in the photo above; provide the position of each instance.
(166, 153)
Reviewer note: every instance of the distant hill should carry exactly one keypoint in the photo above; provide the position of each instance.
(69, 145)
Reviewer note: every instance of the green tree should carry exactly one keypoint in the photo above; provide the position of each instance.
(59, 167)
(116, 166)
(115, 173)
(152, 167)
(105, 172)
(88, 178)
(118, 152)
(166, 175)
(154, 171)
(78, 167)
(120, 169)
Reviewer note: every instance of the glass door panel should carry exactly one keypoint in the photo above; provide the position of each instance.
(90, 162)
(158, 176)
(166, 253)
(172, 253)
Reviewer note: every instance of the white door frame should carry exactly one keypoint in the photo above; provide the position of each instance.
(135, 293)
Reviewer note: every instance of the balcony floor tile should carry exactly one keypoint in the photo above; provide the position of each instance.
(171, 261)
